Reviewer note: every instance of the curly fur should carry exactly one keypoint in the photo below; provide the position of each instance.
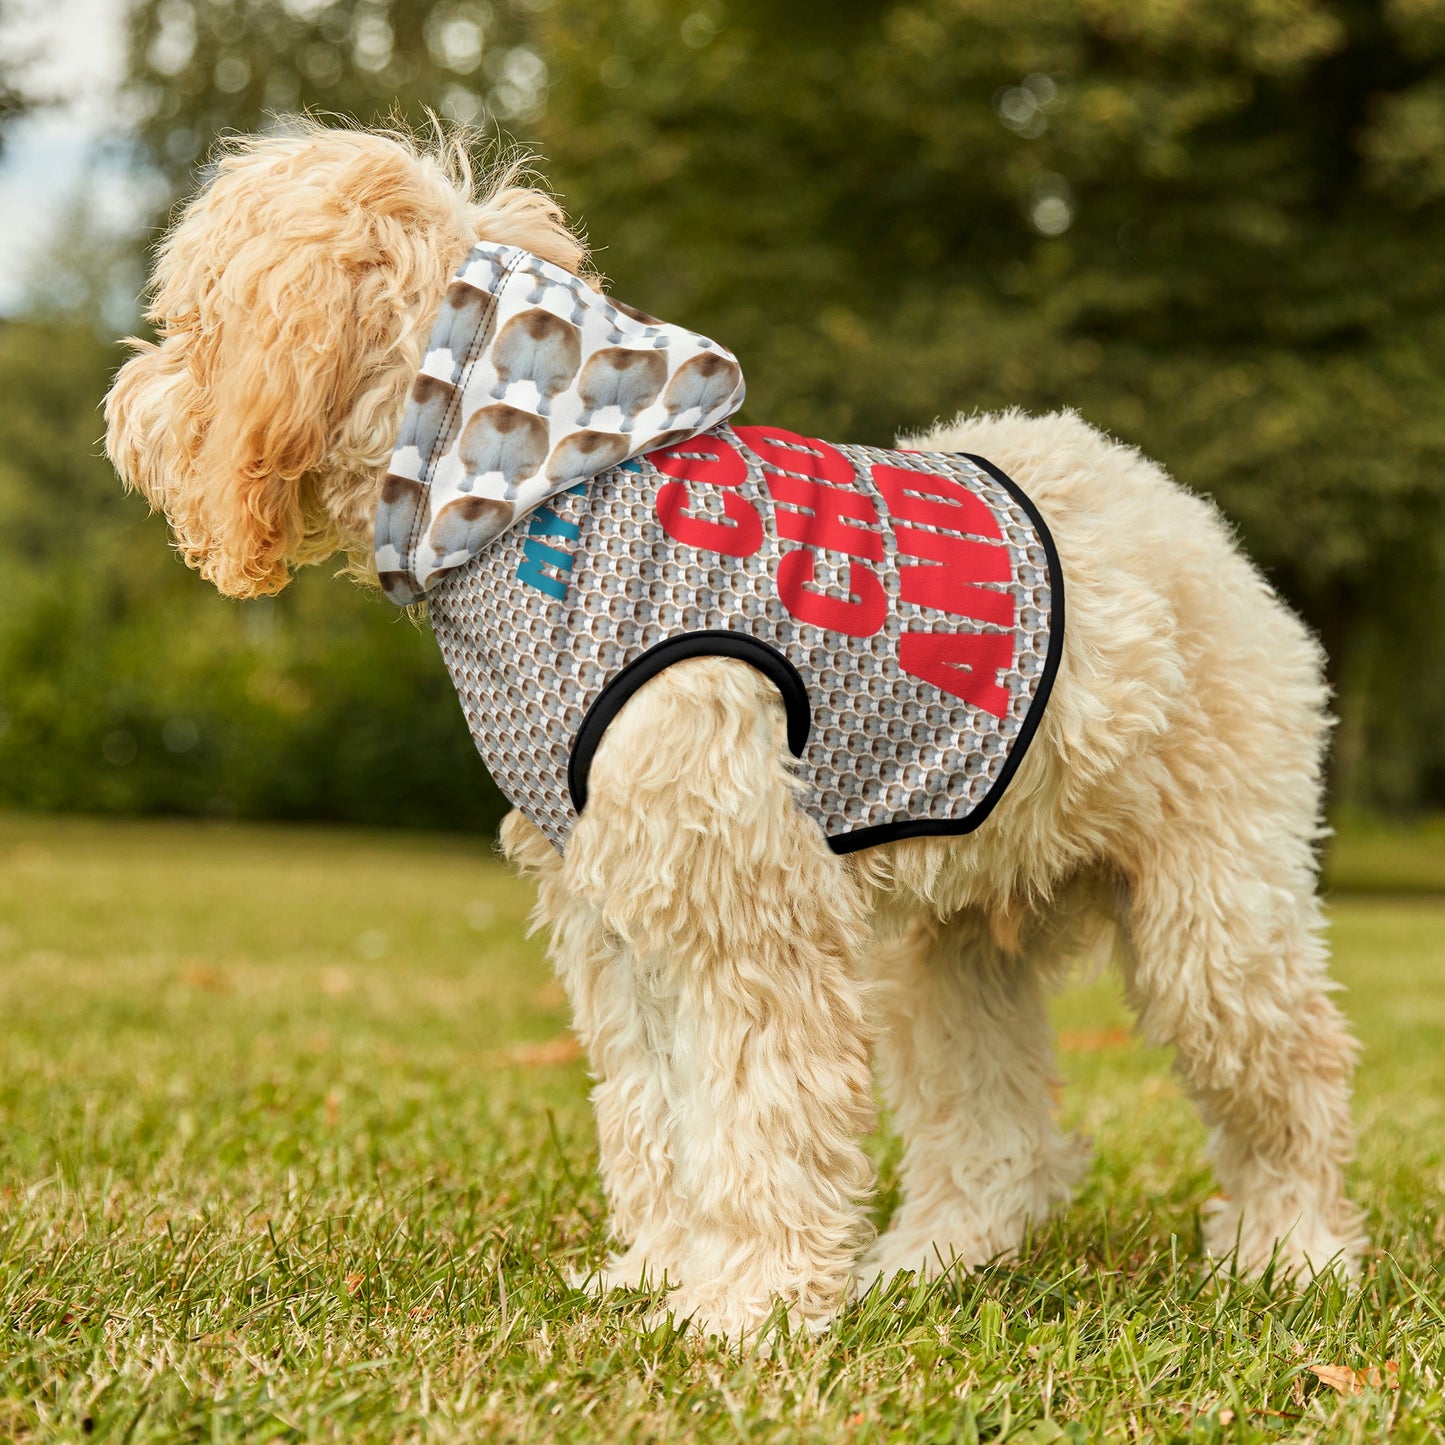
(729, 975)
(291, 302)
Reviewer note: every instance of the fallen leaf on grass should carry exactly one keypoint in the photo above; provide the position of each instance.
(561, 1050)
(197, 973)
(1090, 1041)
(354, 1283)
(1345, 1381)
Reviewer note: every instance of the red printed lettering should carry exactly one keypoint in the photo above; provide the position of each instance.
(786, 451)
(806, 474)
(740, 536)
(932, 500)
(965, 665)
(860, 614)
(703, 459)
(706, 459)
(831, 509)
(955, 565)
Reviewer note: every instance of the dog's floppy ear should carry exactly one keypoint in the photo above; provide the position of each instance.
(220, 423)
(150, 415)
(292, 301)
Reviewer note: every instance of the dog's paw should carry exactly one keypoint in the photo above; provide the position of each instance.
(1298, 1245)
(907, 1252)
(633, 1270)
(964, 1229)
(742, 1323)
(960, 1242)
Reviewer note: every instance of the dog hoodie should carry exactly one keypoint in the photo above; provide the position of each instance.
(567, 497)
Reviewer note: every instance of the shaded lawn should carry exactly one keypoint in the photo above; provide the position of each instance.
(293, 1146)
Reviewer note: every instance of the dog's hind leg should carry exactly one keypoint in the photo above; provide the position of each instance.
(1228, 966)
(966, 1062)
(745, 929)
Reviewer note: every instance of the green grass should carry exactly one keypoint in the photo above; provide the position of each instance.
(1369, 855)
(291, 1148)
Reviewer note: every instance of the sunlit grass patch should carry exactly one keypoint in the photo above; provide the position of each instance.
(293, 1145)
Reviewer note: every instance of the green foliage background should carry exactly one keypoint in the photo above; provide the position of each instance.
(1214, 227)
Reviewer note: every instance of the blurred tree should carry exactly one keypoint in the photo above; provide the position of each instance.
(1216, 227)
(202, 67)
(15, 100)
(127, 685)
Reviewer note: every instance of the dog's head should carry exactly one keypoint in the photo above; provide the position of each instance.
(292, 301)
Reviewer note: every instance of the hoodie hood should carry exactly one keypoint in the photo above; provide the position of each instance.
(532, 383)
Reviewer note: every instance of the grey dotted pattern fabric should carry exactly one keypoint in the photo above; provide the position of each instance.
(886, 750)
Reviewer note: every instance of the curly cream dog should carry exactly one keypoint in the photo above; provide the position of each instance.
(730, 976)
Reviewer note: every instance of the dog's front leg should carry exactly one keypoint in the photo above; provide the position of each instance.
(625, 1030)
(743, 930)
